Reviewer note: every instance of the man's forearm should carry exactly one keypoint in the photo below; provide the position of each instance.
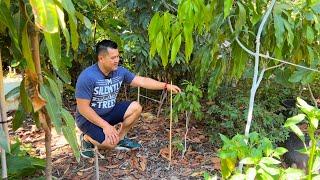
(93, 117)
(152, 84)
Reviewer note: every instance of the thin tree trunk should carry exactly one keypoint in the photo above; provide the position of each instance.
(256, 79)
(44, 120)
(3, 126)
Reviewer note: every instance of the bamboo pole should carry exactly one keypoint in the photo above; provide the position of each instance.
(170, 134)
(4, 126)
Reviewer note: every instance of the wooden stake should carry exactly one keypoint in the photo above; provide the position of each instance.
(170, 135)
(3, 126)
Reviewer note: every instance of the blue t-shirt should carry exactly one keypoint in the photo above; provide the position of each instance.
(101, 90)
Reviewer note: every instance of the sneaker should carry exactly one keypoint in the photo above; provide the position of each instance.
(87, 148)
(128, 144)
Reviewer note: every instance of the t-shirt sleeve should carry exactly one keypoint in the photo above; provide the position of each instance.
(84, 87)
(128, 76)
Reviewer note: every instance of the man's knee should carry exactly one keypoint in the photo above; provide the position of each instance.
(136, 107)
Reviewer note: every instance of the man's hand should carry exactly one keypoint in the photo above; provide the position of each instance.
(175, 89)
(112, 135)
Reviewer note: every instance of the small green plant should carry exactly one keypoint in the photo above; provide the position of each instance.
(21, 164)
(260, 159)
(188, 102)
(311, 115)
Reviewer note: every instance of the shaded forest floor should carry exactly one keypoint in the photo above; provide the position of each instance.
(150, 162)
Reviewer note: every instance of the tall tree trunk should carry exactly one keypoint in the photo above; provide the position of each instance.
(4, 125)
(44, 120)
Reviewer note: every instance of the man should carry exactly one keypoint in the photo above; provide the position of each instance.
(97, 110)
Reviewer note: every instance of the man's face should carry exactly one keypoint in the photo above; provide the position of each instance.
(110, 60)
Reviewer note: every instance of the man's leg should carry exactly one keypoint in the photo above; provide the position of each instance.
(130, 117)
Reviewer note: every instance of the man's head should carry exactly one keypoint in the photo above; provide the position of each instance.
(108, 55)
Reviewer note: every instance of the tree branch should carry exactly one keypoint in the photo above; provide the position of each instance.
(266, 56)
(312, 96)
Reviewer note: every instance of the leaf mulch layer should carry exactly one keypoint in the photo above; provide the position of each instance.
(150, 162)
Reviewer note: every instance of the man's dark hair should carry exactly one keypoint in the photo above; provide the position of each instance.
(103, 46)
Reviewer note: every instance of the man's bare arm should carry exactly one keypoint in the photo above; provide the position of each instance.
(86, 111)
(152, 84)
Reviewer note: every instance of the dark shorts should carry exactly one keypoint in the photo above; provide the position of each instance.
(114, 117)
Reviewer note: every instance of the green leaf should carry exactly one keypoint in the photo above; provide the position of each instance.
(26, 50)
(19, 117)
(292, 173)
(52, 107)
(314, 122)
(55, 90)
(239, 64)
(251, 173)
(7, 20)
(4, 144)
(54, 48)
(316, 165)
(247, 161)
(227, 167)
(84, 20)
(279, 30)
(187, 32)
(309, 34)
(13, 92)
(269, 160)
(238, 176)
(298, 132)
(225, 139)
(279, 151)
(68, 6)
(175, 48)
(25, 101)
(68, 118)
(153, 28)
(304, 106)
(294, 120)
(74, 33)
(64, 29)
(69, 132)
(159, 41)
(216, 78)
(227, 7)
(98, 2)
(271, 170)
(241, 21)
(45, 14)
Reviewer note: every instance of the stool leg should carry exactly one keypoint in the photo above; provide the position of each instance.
(96, 162)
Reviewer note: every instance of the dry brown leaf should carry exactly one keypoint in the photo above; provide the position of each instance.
(164, 152)
(112, 166)
(38, 101)
(134, 162)
(197, 174)
(80, 173)
(31, 84)
(187, 172)
(216, 163)
(143, 163)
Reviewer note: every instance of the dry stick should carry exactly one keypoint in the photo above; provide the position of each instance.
(185, 135)
(170, 135)
(3, 126)
(163, 97)
(96, 162)
(312, 96)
